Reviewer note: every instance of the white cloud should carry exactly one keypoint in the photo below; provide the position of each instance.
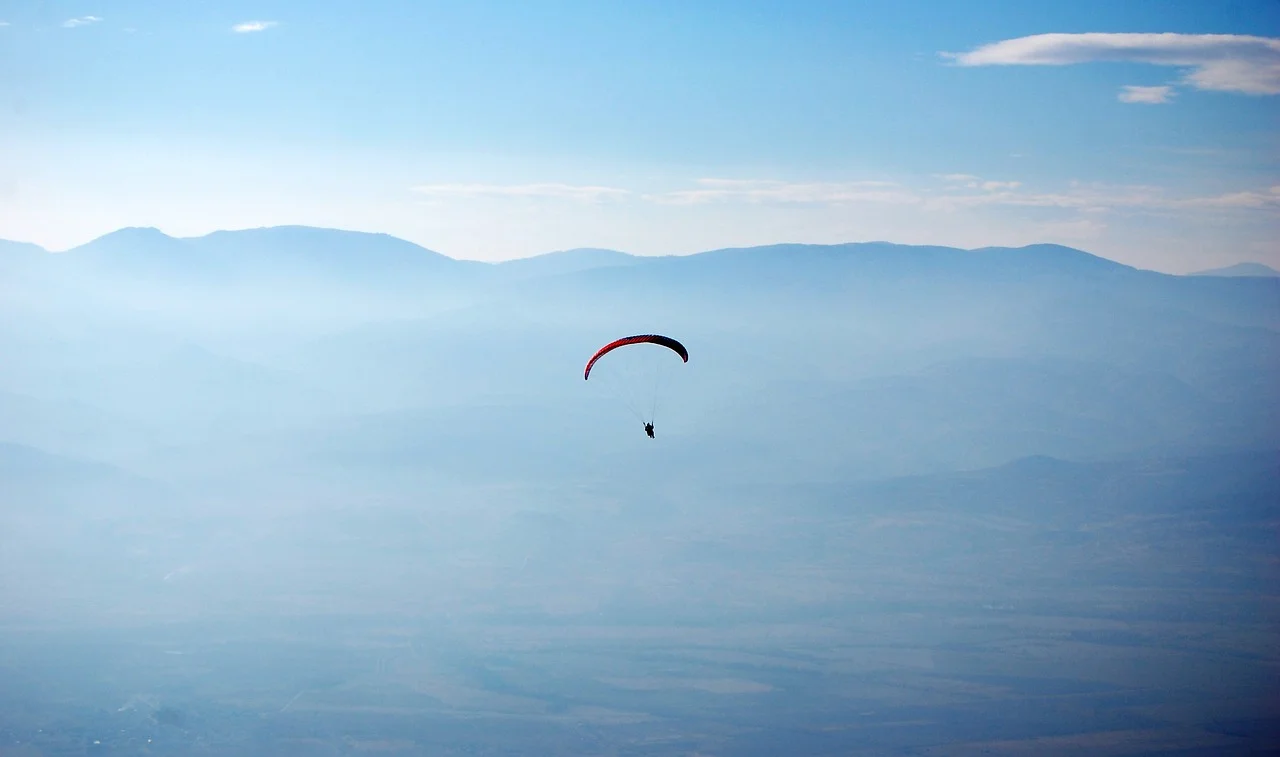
(1097, 199)
(1269, 199)
(4, 23)
(977, 182)
(1145, 95)
(579, 193)
(773, 191)
(72, 192)
(963, 192)
(72, 23)
(1219, 62)
(252, 26)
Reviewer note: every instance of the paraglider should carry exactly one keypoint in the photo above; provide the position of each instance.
(640, 339)
(664, 341)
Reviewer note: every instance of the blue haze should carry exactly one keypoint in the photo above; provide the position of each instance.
(296, 490)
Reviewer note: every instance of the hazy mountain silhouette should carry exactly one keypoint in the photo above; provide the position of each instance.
(1241, 269)
(566, 261)
(860, 359)
(15, 254)
(301, 485)
(295, 254)
(36, 480)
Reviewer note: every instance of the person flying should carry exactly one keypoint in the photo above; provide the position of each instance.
(639, 339)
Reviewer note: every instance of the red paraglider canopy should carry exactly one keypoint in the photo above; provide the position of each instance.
(664, 341)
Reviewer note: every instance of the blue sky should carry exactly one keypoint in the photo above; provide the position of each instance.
(492, 130)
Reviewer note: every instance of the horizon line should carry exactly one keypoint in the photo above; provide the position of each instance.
(338, 230)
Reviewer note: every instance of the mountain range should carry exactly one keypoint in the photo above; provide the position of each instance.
(835, 360)
(278, 488)
(1241, 269)
(226, 255)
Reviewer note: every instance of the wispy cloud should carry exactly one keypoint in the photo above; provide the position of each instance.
(774, 191)
(1146, 95)
(4, 23)
(253, 26)
(1083, 199)
(977, 182)
(965, 191)
(1094, 199)
(580, 193)
(947, 193)
(1219, 62)
(72, 23)
(1247, 200)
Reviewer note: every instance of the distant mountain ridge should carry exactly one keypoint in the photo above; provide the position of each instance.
(335, 246)
(852, 360)
(336, 275)
(567, 261)
(260, 249)
(8, 248)
(1241, 270)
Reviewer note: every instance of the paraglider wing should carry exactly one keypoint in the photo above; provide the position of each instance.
(664, 341)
